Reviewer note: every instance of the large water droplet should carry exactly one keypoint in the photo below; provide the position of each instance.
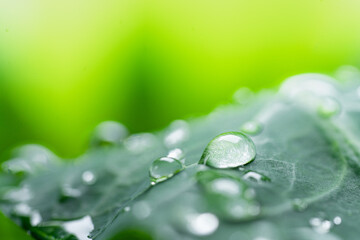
(202, 224)
(81, 228)
(164, 168)
(328, 107)
(251, 127)
(256, 177)
(177, 133)
(109, 132)
(229, 150)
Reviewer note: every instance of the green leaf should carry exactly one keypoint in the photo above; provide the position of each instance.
(303, 184)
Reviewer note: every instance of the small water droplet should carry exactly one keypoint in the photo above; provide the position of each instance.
(203, 224)
(109, 132)
(177, 133)
(337, 220)
(141, 210)
(255, 176)
(164, 168)
(328, 107)
(88, 177)
(127, 209)
(140, 142)
(320, 226)
(243, 95)
(299, 205)
(81, 228)
(176, 153)
(23, 209)
(229, 150)
(251, 127)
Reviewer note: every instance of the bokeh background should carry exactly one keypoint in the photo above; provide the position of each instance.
(67, 65)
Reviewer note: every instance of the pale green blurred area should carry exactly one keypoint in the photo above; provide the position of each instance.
(67, 65)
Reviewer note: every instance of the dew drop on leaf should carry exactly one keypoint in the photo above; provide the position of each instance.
(320, 226)
(229, 150)
(251, 127)
(202, 224)
(256, 177)
(88, 177)
(109, 132)
(177, 132)
(164, 168)
(328, 107)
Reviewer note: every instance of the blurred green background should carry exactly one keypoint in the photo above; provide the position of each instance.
(67, 65)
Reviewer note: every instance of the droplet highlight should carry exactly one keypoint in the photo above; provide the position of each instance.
(229, 150)
(177, 133)
(202, 224)
(164, 168)
(88, 177)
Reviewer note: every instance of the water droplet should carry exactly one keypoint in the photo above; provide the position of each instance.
(141, 210)
(255, 176)
(243, 95)
(138, 143)
(328, 107)
(177, 133)
(299, 205)
(251, 127)
(88, 177)
(164, 168)
(309, 84)
(229, 150)
(320, 226)
(176, 153)
(127, 209)
(81, 228)
(337, 220)
(203, 224)
(109, 132)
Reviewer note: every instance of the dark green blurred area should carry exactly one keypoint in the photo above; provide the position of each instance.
(67, 65)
